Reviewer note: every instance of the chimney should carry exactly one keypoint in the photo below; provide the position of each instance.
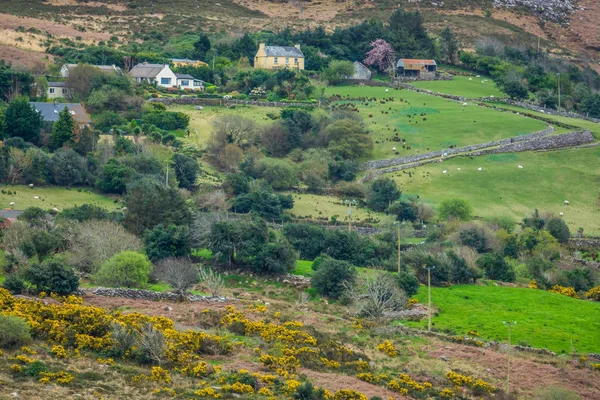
(297, 46)
(261, 46)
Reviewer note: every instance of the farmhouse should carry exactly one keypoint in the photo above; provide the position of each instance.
(107, 69)
(57, 90)
(276, 57)
(421, 69)
(361, 72)
(184, 62)
(159, 74)
(185, 81)
(50, 113)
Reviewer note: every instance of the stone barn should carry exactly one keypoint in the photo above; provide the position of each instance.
(419, 69)
(361, 72)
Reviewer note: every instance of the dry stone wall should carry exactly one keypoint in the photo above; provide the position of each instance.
(149, 295)
(566, 140)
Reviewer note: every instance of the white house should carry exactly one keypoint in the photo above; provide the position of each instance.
(159, 74)
(57, 90)
(185, 81)
(107, 69)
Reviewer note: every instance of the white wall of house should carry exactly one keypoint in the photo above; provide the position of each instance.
(57, 92)
(191, 84)
(166, 78)
(64, 71)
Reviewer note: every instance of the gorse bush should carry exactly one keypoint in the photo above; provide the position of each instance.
(14, 331)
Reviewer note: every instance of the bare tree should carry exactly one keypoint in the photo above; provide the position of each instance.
(201, 226)
(275, 140)
(180, 273)
(152, 344)
(424, 212)
(212, 201)
(378, 297)
(80, 81)
(212, 280)
(18, 162)
(237, 129)
(93, 242)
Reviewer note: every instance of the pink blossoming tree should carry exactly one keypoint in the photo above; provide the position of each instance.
(381, 56)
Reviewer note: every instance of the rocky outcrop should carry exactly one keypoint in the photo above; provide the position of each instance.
(149, 295)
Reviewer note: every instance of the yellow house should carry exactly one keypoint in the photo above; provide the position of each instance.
(275, 57)
(184, 62)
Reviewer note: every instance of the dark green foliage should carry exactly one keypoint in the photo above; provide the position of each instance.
(307, 391)
(408, 36)
(35, 368)
(511, 248)
(105, 120)
(14, 331)
(68, 168)
(382, 193)
(496, 268)
(86, 212)
(449, 45)
(591, 105)
(515, 89)
(23, 120)
(14, 284)
(237, 241)
(236, 184)
(316, 263)
(124, 146)
(409, 283)
(163, 242)
(150, 203)
(35, 216)
(342, 170)
(332, 277)
(186, 170)
(40, 243)
(534, 222)
(280, 174)
(455, 209)
(53, 277)
(63, 130)
(537, 266)
(276, 257)
(404, 211)
(167, 120)
(460, 271)
(11, 80)
(559, 229)
(264, 203)
(347, 139)
(475, 238)
(201, 46)
(114, 177)
(579, 278)
(307, 239)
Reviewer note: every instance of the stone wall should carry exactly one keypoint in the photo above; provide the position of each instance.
(446, 152)
(584, 243)
(226, 102)
(566, 140)
(149, 295)
(534, 107)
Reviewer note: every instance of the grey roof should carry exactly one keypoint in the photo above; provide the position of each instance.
(186, 60)
(185, 76)
(57, 84)
(145, 70)
(10, 213)
(283, 51)
(104, 68)
(50, 111)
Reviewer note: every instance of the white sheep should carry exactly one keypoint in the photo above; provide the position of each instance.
(492, 96)
(36, 198)
(567, 202)
(458, 169)
(387, 90)
(465, 104)
(393, 148)
(31, 185)
(12, 203)
(445, 154)
(479, 169)
(470, 79)
(561, 214)
(55, 209)
(478, 76)
(520, 166)
(444, 172)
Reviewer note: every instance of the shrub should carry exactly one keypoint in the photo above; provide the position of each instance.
(54, 277)
(171, 241)
(332, 277)
(128, 269)
(307, 391)
(593, 294)
(565, 291)
(281, 174)
(496, 267)
(275, 257)
(555, 393)
(455, 209)
(14, 331)
(559, 229)
(475, 238)
(381, 193)
(14, 284)
(409, 283)
(167, 120)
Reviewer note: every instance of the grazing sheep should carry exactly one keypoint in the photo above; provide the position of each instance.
(567, 202)
(478, 76)
(470, 79)
(458, 169)
(36, 198)
(393, 148)
(387, 90)
(12, 203)
(465, 104)
(520, 166)
(31, 185)
(561, 214)
(479, 169)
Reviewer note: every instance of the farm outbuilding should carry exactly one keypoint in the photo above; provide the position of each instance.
(423, 69)
(361, 72)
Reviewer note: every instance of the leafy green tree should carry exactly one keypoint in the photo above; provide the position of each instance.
(86, 212)
(114, 177)
(63, 130)
(149, 203)
(449, 45)
(307, 239)
(280, 174)
(236, 184)
(201, 47)
(559, 229)
(475, 238)
(262, 202)
(338, 70)
(333, 277)
(341, 169)
(23, 120)
(591, 105)
(455, 209)
(495, 267)
(186, 170)
(164, 242)
(68, 168)
(409, 283)
(276, 257)
(126, 269)
(460, 271)
(237, 241)
(53, 277)
(347, 139)
(515, 89)
(403, 210)
(382, 192)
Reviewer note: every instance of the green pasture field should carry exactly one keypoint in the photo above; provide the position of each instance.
(444, 123)
(201, 120)
(544, 319)
(52, 197)
(546, 180)
(312, 206)
(461, 86)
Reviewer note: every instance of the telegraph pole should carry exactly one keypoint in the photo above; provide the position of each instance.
(558, 90)
(429, 295)
(509, 325)
(398, 232)
(350, 203)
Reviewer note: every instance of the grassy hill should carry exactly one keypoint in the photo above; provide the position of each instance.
(52, 197)
(544, 319)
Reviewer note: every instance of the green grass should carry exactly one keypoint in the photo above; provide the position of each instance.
(544, 319)
(201, 120)
(447, 123)
(461, 86)
(303, 268)
(501, 188)
(53, 197)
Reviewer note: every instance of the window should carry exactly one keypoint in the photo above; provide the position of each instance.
(295, 61)
(165, 81)
(287, 61)
(185, 83)
(65, 91)
(275, 60)
(51, 90)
